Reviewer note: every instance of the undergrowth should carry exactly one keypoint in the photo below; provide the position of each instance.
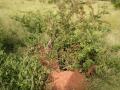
(77, 43)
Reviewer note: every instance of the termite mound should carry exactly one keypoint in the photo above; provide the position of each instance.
(63, 80)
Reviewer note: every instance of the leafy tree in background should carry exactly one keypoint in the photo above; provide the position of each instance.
(116, 3)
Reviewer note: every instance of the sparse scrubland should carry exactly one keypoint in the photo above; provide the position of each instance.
(82, 33)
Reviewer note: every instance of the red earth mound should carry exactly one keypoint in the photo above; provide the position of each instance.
(67, 80)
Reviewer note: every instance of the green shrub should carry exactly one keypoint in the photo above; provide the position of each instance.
(34, 24)
(116, 3)
(10, 41)
(32, 21)
(76, 42)
(21, 73)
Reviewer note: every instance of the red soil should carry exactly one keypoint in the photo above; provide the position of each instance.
(67, 80)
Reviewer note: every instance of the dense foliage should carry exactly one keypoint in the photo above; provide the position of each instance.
(18, 69)
(77, 39)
